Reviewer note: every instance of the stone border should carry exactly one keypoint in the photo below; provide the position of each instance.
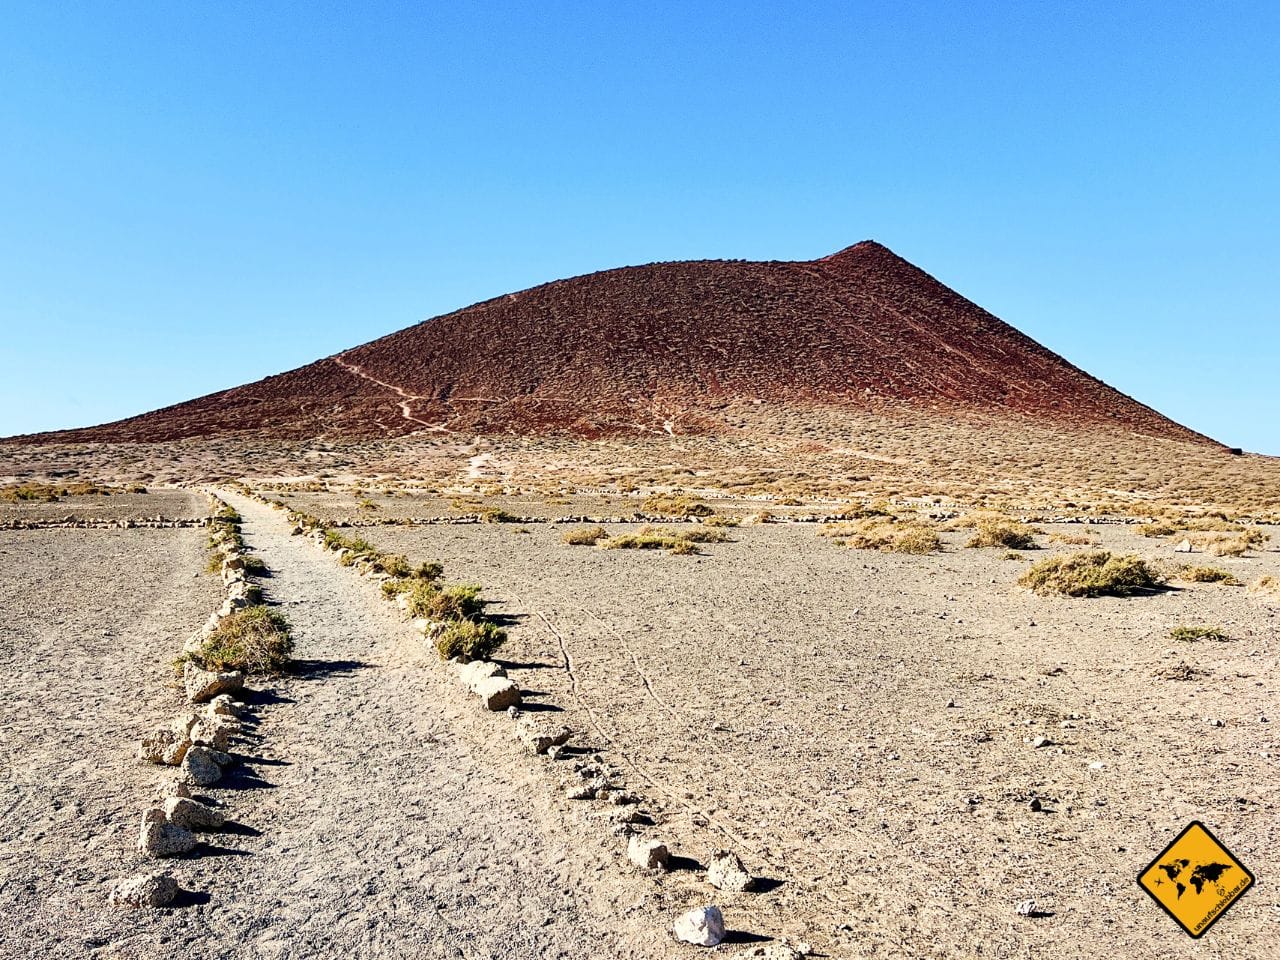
(66, 523)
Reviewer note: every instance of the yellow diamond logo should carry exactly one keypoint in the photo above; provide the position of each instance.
(1195, 880)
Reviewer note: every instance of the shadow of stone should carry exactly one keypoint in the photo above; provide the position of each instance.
(262, 761)
(685, 863)
(321, 669)
(741, 936)
(765, 884)
(239, 829)
(262, 698)
(213, 850)
(242, 778)
(190, 898)
(530, 665)
(507, 619)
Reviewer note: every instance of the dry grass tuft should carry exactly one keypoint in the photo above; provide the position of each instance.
(1195, 574)
(1072, 539)
(1192, 634)
(1266, 589)
(669, 505)
(470, 640)
(584, 536)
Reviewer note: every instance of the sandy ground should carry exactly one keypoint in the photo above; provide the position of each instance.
(789, 699)
(375, 813)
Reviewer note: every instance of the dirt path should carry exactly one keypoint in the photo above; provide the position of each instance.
(394, 824)
(405, 398)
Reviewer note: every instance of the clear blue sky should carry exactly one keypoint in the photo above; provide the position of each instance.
(195, 195)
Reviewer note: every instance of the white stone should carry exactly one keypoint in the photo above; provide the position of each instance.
(703, 927)
(159, 838)
(200, 767)
(497, 693)
(192, 815)
(649, 854)
(725, 871)
(203, 685)
(164, 746)
(538, 736)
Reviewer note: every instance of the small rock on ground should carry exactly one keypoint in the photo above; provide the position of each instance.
(649, 854)
(538, 736)
(159, 838)
(703, 927)
(164, 746)
(204, 685)
(725, 871)
(144, 890)
(497, 693)
(192, 815)
(200, 767)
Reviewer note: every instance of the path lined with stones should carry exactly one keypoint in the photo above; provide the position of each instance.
(387, 825)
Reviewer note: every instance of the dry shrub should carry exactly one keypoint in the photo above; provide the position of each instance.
(1266, 589)
(1071, 539)
(1090, 574)
(1196, 574)
(584, 536)
(888, 536)
(669, 505)
(255, 640)
(1004, 533)
(459, 602)
(720, 520)
(1221, 545)
(673, 541)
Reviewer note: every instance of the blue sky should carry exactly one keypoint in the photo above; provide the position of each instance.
(198, 195)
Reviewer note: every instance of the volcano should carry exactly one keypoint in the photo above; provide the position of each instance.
(669, 348)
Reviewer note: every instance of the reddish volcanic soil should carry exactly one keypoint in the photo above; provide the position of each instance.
(668, 347)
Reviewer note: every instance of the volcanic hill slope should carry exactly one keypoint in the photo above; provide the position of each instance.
(669, 348)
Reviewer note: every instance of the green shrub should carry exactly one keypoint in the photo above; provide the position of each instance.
(1090, 574)
(458, 602)
(470, 640)
(1192, 634)
(255, 639)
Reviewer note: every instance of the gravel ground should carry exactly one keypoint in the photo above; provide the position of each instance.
(170, 504)
(90, 620)
(791, 699)
(376, 814)
(855, 725)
